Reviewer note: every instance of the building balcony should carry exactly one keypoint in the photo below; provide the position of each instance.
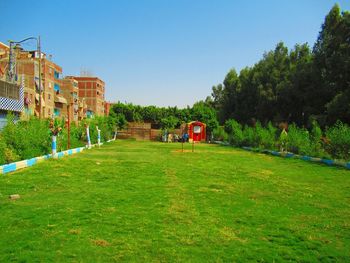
(37, 99)
(60, 99)
(11, 97)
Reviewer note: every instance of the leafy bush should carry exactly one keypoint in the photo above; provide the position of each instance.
(76, 136)
(265, 137)
(249, 137)
(169, 123)
(21, 140)
(7, 154)
(298, 140)
(27, 138)
(220, 134)
(234, 131)
(315, 140)
(338, 144)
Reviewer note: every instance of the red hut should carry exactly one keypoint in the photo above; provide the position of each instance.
(196, 131)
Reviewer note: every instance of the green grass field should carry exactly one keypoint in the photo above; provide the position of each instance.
(149, 202)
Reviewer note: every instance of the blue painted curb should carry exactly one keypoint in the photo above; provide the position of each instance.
(305, 158)
(31, 162)
(290, 155)
(275, 153)
(11, 167)
(328, 162)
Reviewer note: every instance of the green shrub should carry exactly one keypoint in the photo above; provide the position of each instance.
(10, 155)
(317, 148)
(27, 139)
(234, 131)
(76, 136)
(298, 140)
(7, 154)
(21, 140)
(249, 137)
(2, 150)
(338, 141)
(265, 137)
(220, 134)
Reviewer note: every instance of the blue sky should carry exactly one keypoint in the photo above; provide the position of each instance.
(162, 52)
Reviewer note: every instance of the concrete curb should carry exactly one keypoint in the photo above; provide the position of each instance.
(11, 167)
(328, 162)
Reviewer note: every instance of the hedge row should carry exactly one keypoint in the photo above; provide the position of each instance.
(21, 139)
(333, 142)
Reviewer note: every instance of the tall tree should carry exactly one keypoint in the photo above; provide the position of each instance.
(332, 64)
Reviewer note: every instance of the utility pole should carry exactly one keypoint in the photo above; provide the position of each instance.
(12, 65)
(39, 51)
(11, 74)
(69, 108)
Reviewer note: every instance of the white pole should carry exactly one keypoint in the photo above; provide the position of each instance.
(98, 136)
(88, 137)
(54, 146)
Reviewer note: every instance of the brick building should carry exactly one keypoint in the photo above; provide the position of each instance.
(55, 102)
(4, 50)
(11, 100)
(78, 97)
(70, 91)
(11, 94)
(27, 65)
(107, 107)
(92, 89)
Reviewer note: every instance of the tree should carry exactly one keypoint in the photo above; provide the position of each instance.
(332, 63)
(203, 112)
(218, 96)
(169, 123)
(229, 96)
(339, 108)
(120, 121)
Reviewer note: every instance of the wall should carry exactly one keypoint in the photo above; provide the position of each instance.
(143, 131)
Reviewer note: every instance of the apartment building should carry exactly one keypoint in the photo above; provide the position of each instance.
(55, 101)
(73, 97)
(70, 91)
(11, 94)
(82, 109)
(92, 89)
(52, 102)
(107, 107)
(11, 100)
(4, 50)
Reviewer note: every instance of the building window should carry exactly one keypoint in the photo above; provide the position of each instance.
(57, 88)
(57, 75)
(56, 112)
(9, 90)
(49, 96)
(36, 68)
